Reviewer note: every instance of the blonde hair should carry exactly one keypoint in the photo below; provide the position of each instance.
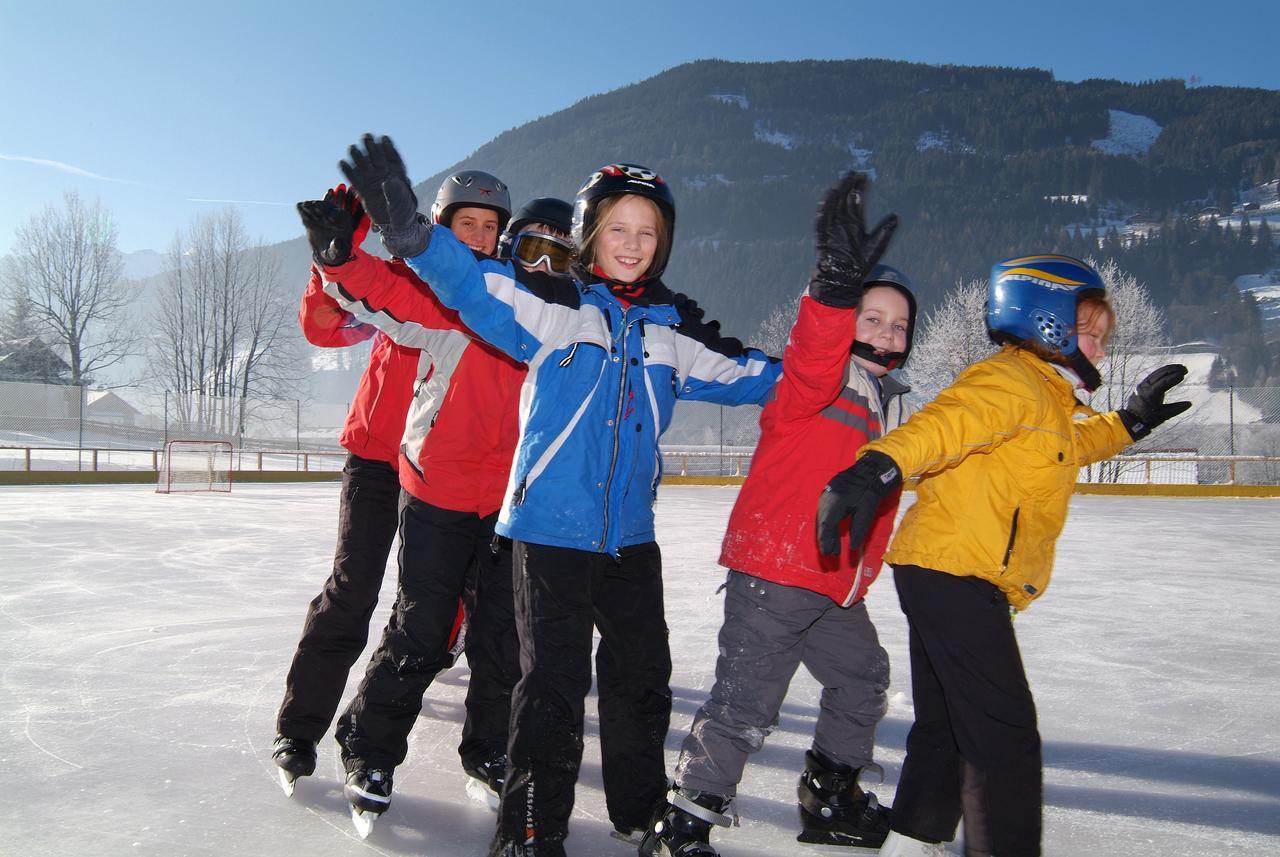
(603, 208)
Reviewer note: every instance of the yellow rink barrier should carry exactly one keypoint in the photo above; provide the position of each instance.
(1115, 489)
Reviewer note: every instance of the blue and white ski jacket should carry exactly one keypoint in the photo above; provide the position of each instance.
(602, 382)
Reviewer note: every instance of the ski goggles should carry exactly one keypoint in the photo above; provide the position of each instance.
(534, 248)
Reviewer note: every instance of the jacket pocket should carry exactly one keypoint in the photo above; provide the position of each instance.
(1013, 537)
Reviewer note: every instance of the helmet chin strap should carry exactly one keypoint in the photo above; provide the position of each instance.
(889, 360)
(1090, 379)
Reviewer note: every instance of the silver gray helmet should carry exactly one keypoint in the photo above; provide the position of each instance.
(471, 189)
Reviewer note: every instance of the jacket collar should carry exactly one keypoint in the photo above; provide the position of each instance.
(655, 303)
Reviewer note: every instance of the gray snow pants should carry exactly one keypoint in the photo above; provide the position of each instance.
(768, 631)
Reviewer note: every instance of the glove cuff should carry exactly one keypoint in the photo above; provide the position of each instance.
(1137, 428)
(830, 294)
(887, 475)
(407, 242)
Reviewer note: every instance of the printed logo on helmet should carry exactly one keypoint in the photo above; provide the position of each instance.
(1041, 278)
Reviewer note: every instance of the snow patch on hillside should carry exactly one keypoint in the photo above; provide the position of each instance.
(943, 140)
(729, 98)
(1265, 289)
(774, 138)
(1129, 134)
(699, 182)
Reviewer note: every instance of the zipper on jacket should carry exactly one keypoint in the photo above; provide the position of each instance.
(1013, 535)
(518, 499)
(617, 427)
(857, 581)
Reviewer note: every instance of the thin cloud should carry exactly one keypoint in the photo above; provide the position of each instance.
(236, 201)
(66, 168)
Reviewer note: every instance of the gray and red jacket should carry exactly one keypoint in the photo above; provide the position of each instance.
(375, 420)
(826, 407)
(462, 425)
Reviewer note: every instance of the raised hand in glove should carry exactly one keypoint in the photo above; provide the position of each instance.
(346, 199)
(331, 234)
(855, 494)
(379, 176)
(1147, 408)
(846, 253)
(329, 230)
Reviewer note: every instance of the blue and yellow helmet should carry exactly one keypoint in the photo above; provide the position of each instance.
(1034, 299)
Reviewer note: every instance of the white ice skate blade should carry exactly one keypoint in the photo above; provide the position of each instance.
(363, 822)
(285, 783)
(478, 791)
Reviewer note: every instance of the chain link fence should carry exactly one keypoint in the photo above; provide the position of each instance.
(59, 427)
(1231, 435)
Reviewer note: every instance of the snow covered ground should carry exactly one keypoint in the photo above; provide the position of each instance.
(144, 640)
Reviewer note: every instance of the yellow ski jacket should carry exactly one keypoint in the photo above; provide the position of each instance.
(997, 454)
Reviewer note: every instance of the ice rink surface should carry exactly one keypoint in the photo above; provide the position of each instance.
(144, 640)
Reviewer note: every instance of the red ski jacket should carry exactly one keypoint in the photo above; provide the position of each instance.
(375, 421)
(463, 422)
(826, 407)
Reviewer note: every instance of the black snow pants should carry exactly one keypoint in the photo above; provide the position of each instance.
(437, 548)
(336, 627)
(561, 594)
(975, 723)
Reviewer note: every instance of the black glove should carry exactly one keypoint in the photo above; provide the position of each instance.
(347, 200)
(687, 307)
(855, 494)
(379, 176)
(329, 230)
(1147, 408)
(846, 253)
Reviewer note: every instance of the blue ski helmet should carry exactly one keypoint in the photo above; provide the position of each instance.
(1034, 299)
(886, 275)
(617, 180)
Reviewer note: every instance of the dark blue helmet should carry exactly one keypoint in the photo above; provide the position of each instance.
(548, 210)
(885, 275)
(1033, 299)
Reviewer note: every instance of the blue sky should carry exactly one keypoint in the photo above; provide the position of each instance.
(162, 110)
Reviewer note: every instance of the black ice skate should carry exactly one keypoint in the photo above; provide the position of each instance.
(369, 792)
(682, 827)
(485, 779)
(295, 758)
(834, 810)
(507, 848)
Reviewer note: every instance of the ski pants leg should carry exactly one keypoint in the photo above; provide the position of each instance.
(554, 622)
(336, 627)
(975, 717)
(436, 547)
(493, 655)
(843, 652)
(560, 594)
(633, 675)
(768, 631)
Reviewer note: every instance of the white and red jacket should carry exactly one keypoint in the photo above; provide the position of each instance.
(462, 426)
(375, 421)
(826, 407)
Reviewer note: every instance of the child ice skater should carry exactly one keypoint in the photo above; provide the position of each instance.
(997, 454)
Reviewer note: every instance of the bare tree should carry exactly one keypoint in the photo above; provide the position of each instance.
(953, 336)
(775, 331)
(65, 272)
(223, 331)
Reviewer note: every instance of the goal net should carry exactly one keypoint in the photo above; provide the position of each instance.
(195, 465)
